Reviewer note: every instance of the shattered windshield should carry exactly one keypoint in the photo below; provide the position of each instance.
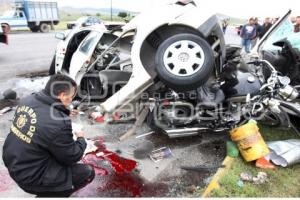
(285, 31)
(294, 40)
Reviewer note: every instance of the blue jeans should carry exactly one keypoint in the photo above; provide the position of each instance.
(247, 44)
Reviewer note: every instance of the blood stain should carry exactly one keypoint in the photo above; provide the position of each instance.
(5, 181)
(118, 180)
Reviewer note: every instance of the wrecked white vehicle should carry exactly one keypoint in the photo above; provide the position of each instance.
(68, 44)
(192, 81)
(177, 63)
(281, 48)
(178, 45)
(88, 52)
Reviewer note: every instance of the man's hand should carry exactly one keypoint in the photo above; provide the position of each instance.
(80, 134)
(74, 113)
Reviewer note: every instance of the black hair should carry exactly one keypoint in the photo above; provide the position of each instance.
(59, 83)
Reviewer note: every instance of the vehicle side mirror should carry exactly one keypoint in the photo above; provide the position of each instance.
(60, 36)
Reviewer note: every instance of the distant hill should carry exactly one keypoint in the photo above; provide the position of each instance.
(72, 14)
(94, 11)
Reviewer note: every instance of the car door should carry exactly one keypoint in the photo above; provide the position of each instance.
(65, 48)
(82, 57)
(19, 19)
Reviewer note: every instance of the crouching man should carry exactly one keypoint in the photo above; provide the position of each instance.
(39, 152)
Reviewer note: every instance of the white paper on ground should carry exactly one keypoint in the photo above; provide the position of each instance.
(90, 147)
(76, 128)
(284, 153)
(90, 144)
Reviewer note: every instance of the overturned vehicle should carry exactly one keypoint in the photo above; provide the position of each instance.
(178, 65)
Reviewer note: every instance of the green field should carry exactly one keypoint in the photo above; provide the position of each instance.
(283, 182)
(65, 18)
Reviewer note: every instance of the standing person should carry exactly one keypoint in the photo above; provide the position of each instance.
(225, 25)
(39, 152)
(297, 25)
(275, 19)
(293, 20)
(265, 27)
(248, 32)
(258, 31)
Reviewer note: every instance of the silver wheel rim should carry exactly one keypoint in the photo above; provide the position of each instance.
(184, 58)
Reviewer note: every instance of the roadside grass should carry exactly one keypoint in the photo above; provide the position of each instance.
(65, 18)
(283, 182)
(62, 25)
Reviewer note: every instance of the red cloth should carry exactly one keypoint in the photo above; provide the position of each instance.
(264, 164)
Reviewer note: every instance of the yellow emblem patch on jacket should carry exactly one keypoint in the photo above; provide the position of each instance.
(24, 123)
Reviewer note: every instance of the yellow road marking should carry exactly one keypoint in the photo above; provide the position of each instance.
(214, 183)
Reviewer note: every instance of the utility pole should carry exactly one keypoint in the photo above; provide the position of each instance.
(111, 11)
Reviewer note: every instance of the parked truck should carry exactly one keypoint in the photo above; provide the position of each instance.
(37, 16)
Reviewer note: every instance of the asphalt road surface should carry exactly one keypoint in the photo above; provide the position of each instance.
(26, 52)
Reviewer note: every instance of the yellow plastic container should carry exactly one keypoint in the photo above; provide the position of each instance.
(249, 141)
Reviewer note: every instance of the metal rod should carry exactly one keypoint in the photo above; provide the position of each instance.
(117, 63)
(104, 52)
(144, 135)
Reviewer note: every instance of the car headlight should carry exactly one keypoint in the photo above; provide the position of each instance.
(289, 93)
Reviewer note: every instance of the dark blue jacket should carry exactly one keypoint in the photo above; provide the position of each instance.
(248, 32)
(40, 149)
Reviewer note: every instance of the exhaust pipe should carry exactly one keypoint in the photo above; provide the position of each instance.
(186, 132)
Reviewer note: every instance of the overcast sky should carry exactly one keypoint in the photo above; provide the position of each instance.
(235, 8)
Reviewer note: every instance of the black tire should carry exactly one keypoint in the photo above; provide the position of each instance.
(35, 29)
(52, 66)
(186, 82)
(10, 94)
(44, 28)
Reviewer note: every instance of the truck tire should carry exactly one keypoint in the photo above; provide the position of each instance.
(44, 28)
(184, 62)
(52, 66)
(34, 29)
